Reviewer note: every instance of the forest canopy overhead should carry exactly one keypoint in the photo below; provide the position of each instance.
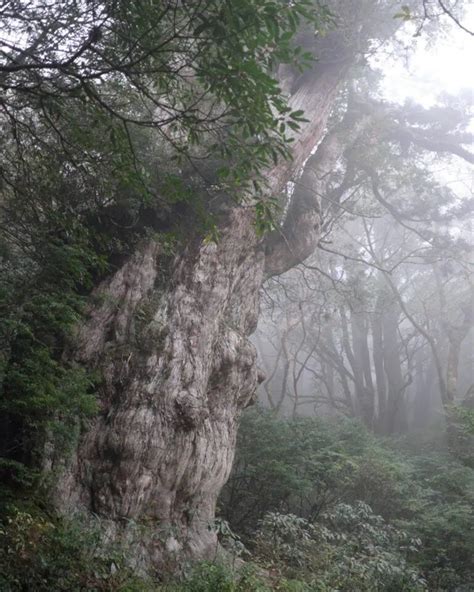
(161, 161)
(198, 74)
(112, 115)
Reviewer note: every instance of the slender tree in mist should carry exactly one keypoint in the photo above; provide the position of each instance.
(369, 317)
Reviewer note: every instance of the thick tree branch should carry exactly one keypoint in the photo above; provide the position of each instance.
(441, 144)
(298, 237)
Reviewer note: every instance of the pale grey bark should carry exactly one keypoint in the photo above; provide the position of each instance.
(298, 236)
(177, 369)
(170, 339)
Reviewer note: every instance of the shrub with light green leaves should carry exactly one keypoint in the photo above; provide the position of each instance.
(345, 510)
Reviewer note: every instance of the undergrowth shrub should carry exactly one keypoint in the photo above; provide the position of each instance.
(327, 502)
(42, 554)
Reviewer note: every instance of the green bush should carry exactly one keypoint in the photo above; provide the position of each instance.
(40, 554)
(343, 509)
(351, 549)
(319, 505)
(305, 466)
(217, 577)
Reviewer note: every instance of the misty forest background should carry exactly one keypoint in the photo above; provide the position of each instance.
(126, 124)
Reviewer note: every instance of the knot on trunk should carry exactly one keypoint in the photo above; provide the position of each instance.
(190, 413)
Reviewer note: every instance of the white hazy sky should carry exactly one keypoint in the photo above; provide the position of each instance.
(446, 66)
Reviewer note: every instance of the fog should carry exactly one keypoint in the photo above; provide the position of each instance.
(236, 296)
(377, 323)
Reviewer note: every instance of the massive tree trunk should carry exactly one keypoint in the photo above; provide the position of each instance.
(170, 340)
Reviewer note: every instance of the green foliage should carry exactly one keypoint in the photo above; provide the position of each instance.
(265, 215)
(42, 397)
(218, 577)
(370, 553)
(285, 538)
(199, 85)
(302, 498)
(107, 139)
(404, 14)
(351, 549)
(304, 466)
(341, 509)
(41, 554)
(214, 577)
(461, 432)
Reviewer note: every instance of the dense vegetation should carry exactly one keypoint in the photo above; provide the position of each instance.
(352, 510)
(312, 505)
(127, 124)
(94, 161)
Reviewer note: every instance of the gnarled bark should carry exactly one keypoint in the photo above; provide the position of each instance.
(177, 369)
(170, 340)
